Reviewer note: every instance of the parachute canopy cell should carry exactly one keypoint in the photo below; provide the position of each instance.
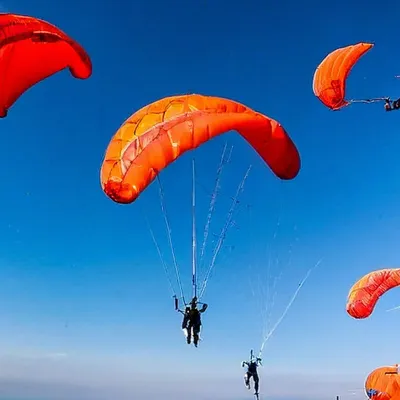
(32, 50)
(366, 292)
(155, 136)
(329, 83)
(383, 383)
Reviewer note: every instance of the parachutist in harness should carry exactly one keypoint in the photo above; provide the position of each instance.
(392, 105)
(252, 366)
(192, 320)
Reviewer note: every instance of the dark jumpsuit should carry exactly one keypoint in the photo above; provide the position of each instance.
(192, 320)
(392, 105)
(252, 373)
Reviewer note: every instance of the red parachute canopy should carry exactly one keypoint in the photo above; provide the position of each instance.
(366, 292)
(329, 83)
(158, 134)
(383, 383)
(32, 50)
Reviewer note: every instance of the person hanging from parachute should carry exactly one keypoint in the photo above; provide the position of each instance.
(161, 132)
(252, 365)
(191, 323)
(392, 105)
(329, 83)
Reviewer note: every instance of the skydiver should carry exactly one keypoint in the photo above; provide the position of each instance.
(252, 366)
(392, 105)
(192, 321)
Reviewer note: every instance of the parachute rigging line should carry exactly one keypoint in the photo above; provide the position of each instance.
(266, 295)
(213, 200)
(224, 231)
(274, 288)
(285, 311)
(223, 162)
(271, 292)
(168, 227)
(393, 309)
(164, 264)
(368, 101)
(194, 275)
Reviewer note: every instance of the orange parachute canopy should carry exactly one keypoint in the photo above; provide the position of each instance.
(32, 50)
(365, 293)
(155, 136)
(383, 383)
(329, 83)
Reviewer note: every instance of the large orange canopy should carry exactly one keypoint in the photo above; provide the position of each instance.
(383, 384)
(329, 83)
(32, 50)
(155, 136)
(365, 293)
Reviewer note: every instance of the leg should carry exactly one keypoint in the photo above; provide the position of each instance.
(396, 104)
(196, 331)
(189, 333)
(247, 380)
(256, 382)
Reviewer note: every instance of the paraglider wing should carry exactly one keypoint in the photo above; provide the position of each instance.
(159, 133)
(383, 384)
(365, 293)
(32, 50)
(329, 83)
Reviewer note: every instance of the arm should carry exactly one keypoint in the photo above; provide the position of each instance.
(204, 308)
(244, 363)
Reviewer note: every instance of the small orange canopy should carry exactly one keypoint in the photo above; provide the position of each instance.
(329, 83)
(366, 292)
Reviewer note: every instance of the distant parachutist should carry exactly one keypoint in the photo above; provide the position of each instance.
(330, 78)
(392, 105)
(252, 365)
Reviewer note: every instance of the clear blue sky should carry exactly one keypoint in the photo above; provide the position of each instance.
(80, 275)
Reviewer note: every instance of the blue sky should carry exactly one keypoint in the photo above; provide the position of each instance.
(84, 303)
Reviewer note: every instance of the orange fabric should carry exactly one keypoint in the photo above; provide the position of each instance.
(329, 83)
(365, 293)
(32, 50)
(383, 384)
(155, 136)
